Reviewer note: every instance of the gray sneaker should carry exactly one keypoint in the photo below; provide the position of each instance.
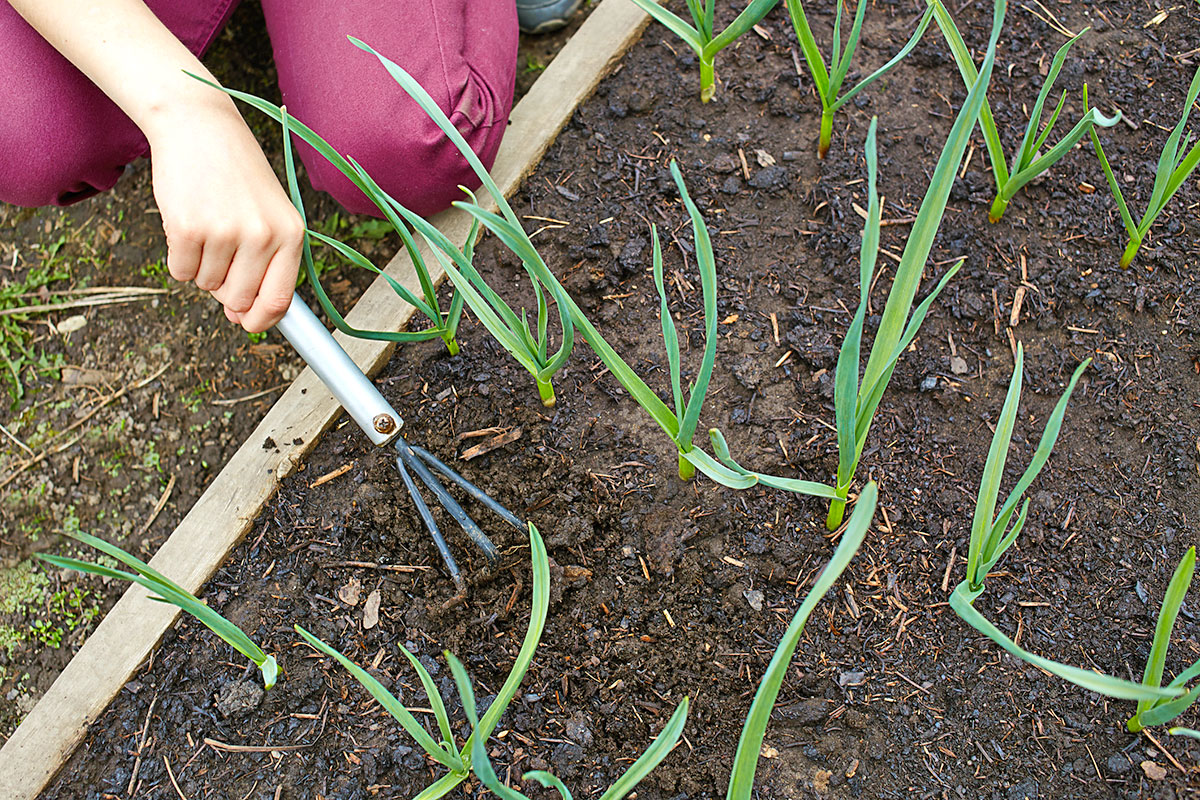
(543, 16)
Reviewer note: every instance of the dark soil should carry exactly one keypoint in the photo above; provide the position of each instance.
(890, 694)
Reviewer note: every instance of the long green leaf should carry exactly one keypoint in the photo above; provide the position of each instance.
(1167, 161)
(811, 488)
(1045, 444)
(966, 67)
(922, 26)
(845, 392)
(689, 35)
(707, 264)
(960, 601)
(929, 217)
(1176, 590)
(751, 15)
(549, 782)
(659, 749)
(537, 623)
(393, 706)
(435, 699)
(670, 335)
(745, 762)
(811, 50)
(993, 473)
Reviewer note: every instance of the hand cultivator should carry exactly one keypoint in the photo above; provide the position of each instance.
(380, 422)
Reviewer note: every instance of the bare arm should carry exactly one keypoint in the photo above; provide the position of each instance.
(230, 227)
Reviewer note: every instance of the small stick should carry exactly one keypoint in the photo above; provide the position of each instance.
(247, 748)
(1165, 751)
(233, 401)
(171, 775)
(137, 762)
(949, 567)
(371, 565)
(1014, 318)
(158, 507)
(28, 450)
(328, 476)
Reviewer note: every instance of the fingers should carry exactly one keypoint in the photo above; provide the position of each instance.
(215, 258)
(275, 291)
(183, 255)
(253, 278)
(244, 276)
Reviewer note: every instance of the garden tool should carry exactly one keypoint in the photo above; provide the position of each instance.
(380, 422)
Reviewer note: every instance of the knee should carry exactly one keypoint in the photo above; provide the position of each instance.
(42, 166)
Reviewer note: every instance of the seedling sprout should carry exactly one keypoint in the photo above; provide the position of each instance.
(659, 749)
(457, 760)
(701, 38)
(991, 537)
(165, 590)
(1175, 165)
(828, 81)
(745, 762)
(1027, 164)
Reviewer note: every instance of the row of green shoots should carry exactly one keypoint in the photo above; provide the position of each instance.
(1033, 158)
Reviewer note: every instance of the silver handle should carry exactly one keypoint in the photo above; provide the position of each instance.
(339, 373)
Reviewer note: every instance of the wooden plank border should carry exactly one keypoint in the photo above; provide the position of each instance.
(217, 522)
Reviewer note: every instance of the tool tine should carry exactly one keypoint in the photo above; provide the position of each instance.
(473, 490)
(447, 500)
(432, 526)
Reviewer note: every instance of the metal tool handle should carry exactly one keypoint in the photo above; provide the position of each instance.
(339, 373)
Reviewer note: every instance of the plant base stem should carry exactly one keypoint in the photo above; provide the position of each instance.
(686, 468)
(837, 512)
(826, 133)
(997, 210)
(546, 392)
(1130, 251)
(708, 86)
(451, 345)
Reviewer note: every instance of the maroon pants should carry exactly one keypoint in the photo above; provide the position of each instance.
(62, 139)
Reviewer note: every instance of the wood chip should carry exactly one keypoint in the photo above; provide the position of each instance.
(764, 158)
(371, 611)
(1014, 318)
(491, 444)
(1154, 771)
(350, 593)
(328, 476)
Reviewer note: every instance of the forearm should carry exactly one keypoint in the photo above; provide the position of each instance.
(123, 48)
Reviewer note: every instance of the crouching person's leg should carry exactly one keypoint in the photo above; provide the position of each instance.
(61, 138)
(462, 51)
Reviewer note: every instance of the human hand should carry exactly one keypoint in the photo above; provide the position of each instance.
(230, 226)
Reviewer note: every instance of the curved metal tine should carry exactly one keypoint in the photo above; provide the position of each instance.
(471, 489)
(448, 502)
(432, 526)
